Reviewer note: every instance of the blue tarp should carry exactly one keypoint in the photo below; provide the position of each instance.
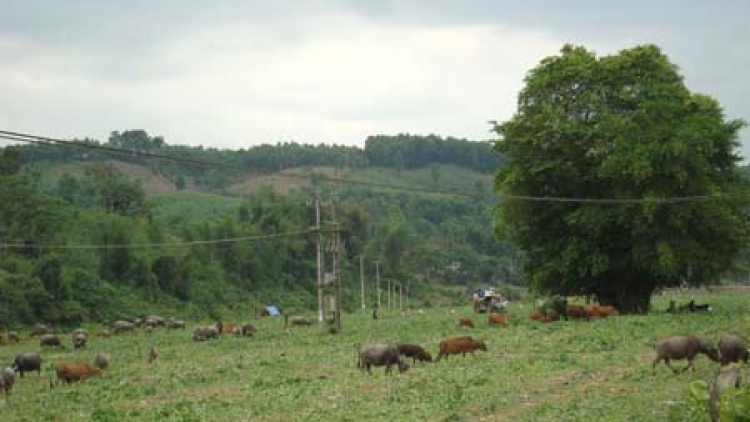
(273, 311)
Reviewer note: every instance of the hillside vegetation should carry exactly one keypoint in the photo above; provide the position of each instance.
(92, 237)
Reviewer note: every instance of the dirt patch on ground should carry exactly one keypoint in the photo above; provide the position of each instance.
(153, 183)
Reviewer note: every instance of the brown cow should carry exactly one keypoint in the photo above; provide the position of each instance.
(462, 345)
(577, 312)
(78, 371)
(498, 318)
(466, 322)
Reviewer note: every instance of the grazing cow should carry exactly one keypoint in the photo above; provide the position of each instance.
(462, 345)
(205, 333)
(226, 327)
(153, 354)
(296, 320)
(122, 326)
(27, 362)
(380, 355)
(498, 318)
(248, 330)
(466, 322)
(82, 331)
(682, 347)
(79, 340)
(155, 321)
(415, 352)
(732, 348)
(77, 371)
(536, 316)
(101, 361)
(7, 379)
(50, 340)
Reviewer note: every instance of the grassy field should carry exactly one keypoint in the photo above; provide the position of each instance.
(564, 371)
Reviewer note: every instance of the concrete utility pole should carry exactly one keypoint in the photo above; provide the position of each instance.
(321, 304)
(377, 280)
(336, 272)
(362, 280)
(390, 295)
(400, 297)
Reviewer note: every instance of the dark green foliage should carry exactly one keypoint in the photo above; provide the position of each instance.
(621, 126)
(10, 161)
(406, 151)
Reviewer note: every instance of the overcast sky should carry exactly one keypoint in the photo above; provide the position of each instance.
(240, 73)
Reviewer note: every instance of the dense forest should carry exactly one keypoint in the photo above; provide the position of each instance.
(91, 244)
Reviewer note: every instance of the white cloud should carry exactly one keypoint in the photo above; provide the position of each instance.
(233, 86)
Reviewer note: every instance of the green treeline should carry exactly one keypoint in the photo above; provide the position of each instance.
(400, 152)
(73, 250)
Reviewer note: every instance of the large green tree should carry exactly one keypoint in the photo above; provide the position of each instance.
(623, 127)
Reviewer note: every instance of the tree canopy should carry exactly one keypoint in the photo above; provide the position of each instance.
(623, 126)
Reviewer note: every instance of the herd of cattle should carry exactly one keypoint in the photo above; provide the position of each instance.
(730, 347)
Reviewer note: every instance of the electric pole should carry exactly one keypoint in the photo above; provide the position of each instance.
(362, 279)
(336, 272)
(377, 280)
(321, 304)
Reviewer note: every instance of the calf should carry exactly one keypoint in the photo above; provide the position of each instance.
(79, 340)
(7, 379)
(381, 355)
(732, 348)
(50, 340)
(27, 362)
(466, 322)
(682, 347)
(577, 312)
(101, 361)
(498, 318)
(248, 330)
(77, 371)
(462, 345)
(415, 352)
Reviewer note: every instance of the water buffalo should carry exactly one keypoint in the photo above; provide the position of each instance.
(7, 379)
(27, 362)
(50, 340)
(415, 352)
(101, 361)
(683, 347)
(79, 340)
(732, 348)
(380, 355)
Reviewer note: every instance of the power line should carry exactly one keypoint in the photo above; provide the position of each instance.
(21, 137)
(162, 245)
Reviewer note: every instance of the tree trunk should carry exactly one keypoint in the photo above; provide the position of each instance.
(628, 295)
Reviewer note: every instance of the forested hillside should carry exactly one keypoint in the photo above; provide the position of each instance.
(92, 235)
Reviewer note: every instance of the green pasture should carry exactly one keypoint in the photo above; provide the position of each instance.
(564, 371)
